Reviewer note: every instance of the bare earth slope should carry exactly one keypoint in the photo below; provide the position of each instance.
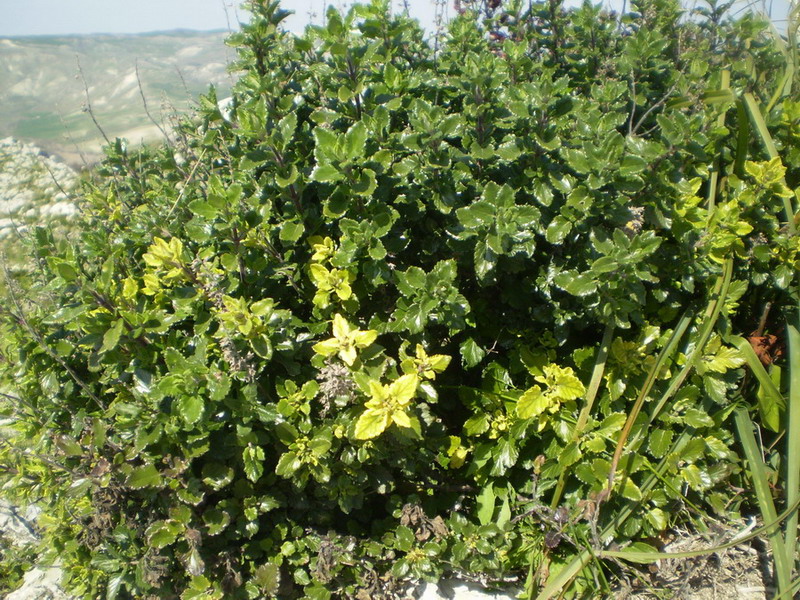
(42, 94)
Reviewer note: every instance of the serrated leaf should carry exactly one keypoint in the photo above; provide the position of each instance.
(532, 403)
(204, 210)
(486, 501)
(216, 520)
(163, 533)
(291, 231)
(725, 359)
(267, 578)
(217, 475)
(558, 230)
(657, 518)
(630, 490)
(112, 335)
(326, 173)
(253, 458)
(355, 141)
(476, 215)
(697, 479)
(505, 455)
(471, 353)
(145, 476)
(570, 455)
(577, 284)
(371, 424)
(190, 408)
(288, 464)
(697, 417)
(659, 442)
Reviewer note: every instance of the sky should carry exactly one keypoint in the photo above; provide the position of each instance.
(37, 17)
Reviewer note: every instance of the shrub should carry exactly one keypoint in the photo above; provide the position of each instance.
(389, 315)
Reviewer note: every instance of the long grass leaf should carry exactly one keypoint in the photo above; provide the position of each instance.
(758, 474)
(718, 296)
(742, 138)
(761, 126)
(793, 439)
(591, 394)
(773, 401)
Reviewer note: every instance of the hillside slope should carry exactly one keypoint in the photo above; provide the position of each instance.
(42, 95)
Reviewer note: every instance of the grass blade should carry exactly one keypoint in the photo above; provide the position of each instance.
(774, 401)
(793, 439)
(758, 473)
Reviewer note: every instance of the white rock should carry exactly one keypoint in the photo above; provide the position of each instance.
(40, 584)
(17, 525)
(453, 589)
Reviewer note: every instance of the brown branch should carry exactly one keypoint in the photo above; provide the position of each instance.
(146, 109)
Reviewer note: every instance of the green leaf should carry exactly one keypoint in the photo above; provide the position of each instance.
(366, 183)
(325, 145)
(326, 173)
(371, 424)
(111, 337)
(630, 490)
(163, 533)
(253, 458)
(217, 475)
(288, 464)
(631, 165)
(471, 353)
(145, 476)
(190, 408)
(532, 403)
(486, 500)
(570, 455)
(476, 215)
(659, 442)
(203, 209)
(558, 230)
(697, 417)
(262, 346)
(723, 360)
(657, 518)
(66, 271)
(577, 284)
(267, 578)
(505, 456)
(291, 231)
(355, 141)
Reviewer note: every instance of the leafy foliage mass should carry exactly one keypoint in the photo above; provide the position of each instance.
(394, 311)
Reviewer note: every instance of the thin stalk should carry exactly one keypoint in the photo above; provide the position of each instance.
(758, 474)
(793, 439)
(591, 395)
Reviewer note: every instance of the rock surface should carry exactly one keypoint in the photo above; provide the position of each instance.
(41, 582)
(34, 187)
(452, 589)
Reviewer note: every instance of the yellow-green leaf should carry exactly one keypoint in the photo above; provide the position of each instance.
(532, 403)
(371, 424)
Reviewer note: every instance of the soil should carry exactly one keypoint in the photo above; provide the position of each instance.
(742, 572)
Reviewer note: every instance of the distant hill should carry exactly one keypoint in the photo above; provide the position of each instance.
(42, 95)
